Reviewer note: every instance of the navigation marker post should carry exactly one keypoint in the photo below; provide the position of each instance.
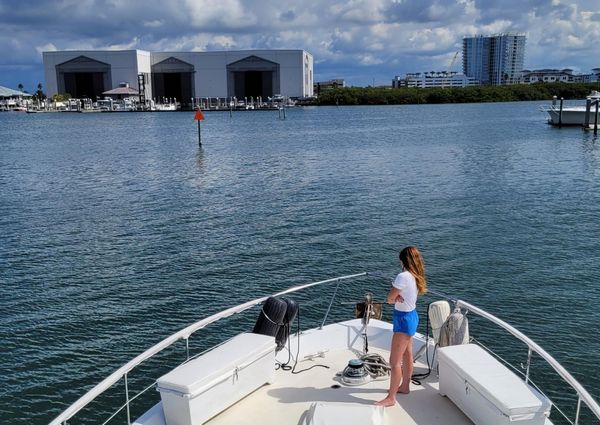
(199, 117)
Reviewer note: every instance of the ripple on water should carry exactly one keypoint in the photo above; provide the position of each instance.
(116, 230)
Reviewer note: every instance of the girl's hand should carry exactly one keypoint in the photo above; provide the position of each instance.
(399, 299)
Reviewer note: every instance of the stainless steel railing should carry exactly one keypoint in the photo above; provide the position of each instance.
(582, 394)
(532, 347)
(184, 334)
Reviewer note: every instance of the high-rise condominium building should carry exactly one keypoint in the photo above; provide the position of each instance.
(494, 59)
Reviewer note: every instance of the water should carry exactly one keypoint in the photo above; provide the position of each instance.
(117, 229)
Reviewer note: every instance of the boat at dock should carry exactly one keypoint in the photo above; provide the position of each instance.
(572, 115)
(333, 373)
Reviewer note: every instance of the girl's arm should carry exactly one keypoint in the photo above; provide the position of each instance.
(394, 296)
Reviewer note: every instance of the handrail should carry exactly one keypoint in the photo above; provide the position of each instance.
(189, 330)
(581, 392)
(182, 334)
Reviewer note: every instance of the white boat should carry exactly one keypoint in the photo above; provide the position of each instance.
(279, 100)
(165, 107)
(571, 115)
(321, 375)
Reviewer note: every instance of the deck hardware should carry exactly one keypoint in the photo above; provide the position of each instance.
(330, 303)
(528, 365)
(127, 400)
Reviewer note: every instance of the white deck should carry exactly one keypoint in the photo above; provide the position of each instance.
(289, 396)
(287, 400)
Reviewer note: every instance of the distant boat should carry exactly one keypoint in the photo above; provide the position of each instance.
(280, 100)
(571, 115)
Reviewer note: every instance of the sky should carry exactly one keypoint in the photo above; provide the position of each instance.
(363, 42)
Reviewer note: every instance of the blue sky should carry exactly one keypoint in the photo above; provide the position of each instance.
(360, 41)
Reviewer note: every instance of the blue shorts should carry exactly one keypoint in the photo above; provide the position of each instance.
(406, 322)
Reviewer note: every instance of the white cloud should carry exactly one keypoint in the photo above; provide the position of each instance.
(369, 60)
(46, 48)
(346, 37)
(155, 23)
(222, 42)
(132, 44)
(574, 41)
(228, 13)
(496, 27)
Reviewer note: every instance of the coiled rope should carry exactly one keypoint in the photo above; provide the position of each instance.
(376, 365)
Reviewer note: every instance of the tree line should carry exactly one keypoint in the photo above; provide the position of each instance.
(37, 95)
(473, 94)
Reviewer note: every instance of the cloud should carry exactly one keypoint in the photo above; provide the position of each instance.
(49, 47)
(155, 23)
(427, 11)
(353, 39)
(288, 16)
(221, 15)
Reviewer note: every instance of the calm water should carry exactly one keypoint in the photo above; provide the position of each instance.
(117, 230)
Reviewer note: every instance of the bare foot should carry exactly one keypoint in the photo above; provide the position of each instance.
(403, 390)
(386, 402)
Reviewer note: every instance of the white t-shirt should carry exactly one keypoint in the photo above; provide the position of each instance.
(406, 283)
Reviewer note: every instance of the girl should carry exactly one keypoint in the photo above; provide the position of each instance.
(405, 288)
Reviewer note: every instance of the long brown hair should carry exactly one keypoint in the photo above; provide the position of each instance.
(413, 262)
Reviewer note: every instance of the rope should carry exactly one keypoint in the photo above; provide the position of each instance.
(376, 365)
(268, 318)
(286, 366)
(416, 378)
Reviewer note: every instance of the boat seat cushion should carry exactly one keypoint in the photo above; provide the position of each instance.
(321, 413)
(490, 378)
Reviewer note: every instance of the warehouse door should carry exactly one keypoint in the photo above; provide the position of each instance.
(83, 77)
(253, 77)
(173, 79)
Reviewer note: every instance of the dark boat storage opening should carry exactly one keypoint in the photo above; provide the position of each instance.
(253, 77)
(83, 77)
(173, 79)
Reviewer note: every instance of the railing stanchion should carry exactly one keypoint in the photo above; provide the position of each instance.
(330, 303)
(528, 364)
(578, 410)
(127, 401)
(187, 349)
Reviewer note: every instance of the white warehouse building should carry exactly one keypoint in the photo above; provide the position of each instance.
(181, 75)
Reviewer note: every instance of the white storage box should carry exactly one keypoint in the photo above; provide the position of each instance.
(486, 390)
(198, 390)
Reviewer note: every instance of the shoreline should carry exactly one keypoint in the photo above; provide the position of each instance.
(475, 94)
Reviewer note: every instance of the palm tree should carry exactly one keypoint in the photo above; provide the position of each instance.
(39, 94)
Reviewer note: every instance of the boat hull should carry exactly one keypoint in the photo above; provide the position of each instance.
(570, 116)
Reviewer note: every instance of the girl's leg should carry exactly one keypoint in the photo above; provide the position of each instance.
(399, 342)
(407, 367)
